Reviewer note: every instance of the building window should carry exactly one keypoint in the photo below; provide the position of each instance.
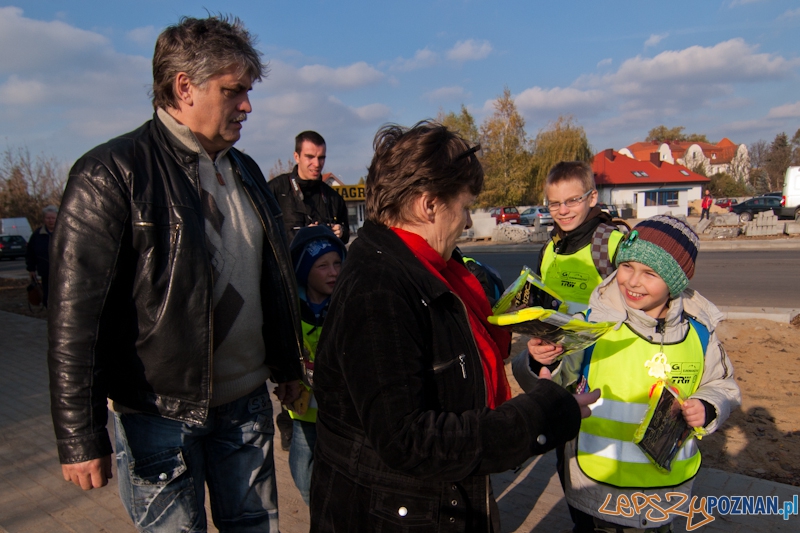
(652, 198)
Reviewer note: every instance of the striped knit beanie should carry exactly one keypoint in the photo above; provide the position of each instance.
(666, 245)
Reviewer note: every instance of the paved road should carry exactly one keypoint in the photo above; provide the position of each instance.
(15, 268)
(731, 278)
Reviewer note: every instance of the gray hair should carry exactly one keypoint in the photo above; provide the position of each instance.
(50, 209)
(202, 48)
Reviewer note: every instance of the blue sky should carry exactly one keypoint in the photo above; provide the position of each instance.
(76, 73)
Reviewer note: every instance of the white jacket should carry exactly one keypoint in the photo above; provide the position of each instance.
(717, 387)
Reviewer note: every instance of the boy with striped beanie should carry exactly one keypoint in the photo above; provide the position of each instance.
(666, 332)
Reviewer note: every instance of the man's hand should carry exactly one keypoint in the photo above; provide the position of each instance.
(584, 400)
(545, 354)
(89, 475)
(337, 230)
(288, 392)
(694, 412)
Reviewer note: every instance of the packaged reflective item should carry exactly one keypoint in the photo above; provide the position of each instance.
(553, 327)
(663, 430)
(528, 290)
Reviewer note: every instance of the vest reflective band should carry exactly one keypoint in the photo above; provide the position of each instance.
(606, 451)
(311, 335)
(574, 276)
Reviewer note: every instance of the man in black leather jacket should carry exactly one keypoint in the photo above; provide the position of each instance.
(304, 198)
(173, 295)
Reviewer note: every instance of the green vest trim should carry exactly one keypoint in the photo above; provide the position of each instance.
(606, 452)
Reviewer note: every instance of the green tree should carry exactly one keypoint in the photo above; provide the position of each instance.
(462, 123)
(724, 185)
(506, 158)
(563, 140)
(662, 133)
(28, 184)
(778, 160)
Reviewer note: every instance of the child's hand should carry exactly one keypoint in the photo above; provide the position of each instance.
(694, 412)
(545, 354)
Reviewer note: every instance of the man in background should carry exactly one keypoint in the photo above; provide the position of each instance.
(37, 256)
(304, 198)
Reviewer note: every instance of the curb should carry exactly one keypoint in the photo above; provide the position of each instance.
(776, 314)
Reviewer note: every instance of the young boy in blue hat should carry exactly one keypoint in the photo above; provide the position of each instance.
(317, 255)
(666, 332)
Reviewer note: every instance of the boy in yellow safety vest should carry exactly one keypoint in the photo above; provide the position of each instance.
(317, 255)
(666, 332)
(580, 253)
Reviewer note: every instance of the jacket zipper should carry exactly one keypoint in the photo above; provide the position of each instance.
(461, 361)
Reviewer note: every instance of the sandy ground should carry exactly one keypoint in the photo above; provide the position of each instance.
(761, 439)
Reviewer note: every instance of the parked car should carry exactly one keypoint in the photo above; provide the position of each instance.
(726, 203)
(12, 246)
(747, 209)
(528, 216)
(505, 214)
(790, 198)
(610, 209)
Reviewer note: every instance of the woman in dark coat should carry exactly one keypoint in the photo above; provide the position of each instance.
(414, 408)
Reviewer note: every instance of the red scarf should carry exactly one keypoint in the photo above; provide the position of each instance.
(493, 342)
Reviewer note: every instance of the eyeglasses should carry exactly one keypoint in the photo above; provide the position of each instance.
(572, 202)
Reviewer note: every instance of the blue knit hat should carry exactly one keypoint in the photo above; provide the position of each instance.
(310, 244)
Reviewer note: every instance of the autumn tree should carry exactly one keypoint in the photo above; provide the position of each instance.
(563, 140)
(662, 133)
(280, 168)
(758, 152)
(462, 123)
(506, 157)
(796, 148)
(724, 185)
(28, 184)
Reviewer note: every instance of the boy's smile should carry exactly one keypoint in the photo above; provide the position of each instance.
(643, 288)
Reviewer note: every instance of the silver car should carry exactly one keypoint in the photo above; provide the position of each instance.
(542, 213)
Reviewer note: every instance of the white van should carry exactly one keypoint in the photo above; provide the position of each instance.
(790, 203)
(16, 226)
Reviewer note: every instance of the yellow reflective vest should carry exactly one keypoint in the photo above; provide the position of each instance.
(575, 276)
(311, 335)
(605, 449)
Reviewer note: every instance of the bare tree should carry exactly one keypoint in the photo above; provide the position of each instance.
(28, 184)
(280, 168)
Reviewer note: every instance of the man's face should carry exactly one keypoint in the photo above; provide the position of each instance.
(50, 220)
(218, 109)
(310, 161)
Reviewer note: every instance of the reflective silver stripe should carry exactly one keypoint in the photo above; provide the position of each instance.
(626, 452)
(576, 307)
(630, 413)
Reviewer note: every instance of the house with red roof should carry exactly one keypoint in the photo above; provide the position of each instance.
(725, 156)
(651, 187)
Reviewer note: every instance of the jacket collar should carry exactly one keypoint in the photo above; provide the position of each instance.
(385, 242)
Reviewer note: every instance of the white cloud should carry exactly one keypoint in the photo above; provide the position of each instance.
(373, 112)
(422, 59)
(791, 13)
(445, 94)
(654, 39)
(349, 77)
(605, 62)
(144, 36)
(469, 50)
(15, 92)
(743, 2)
(785, 111)
(559, 100)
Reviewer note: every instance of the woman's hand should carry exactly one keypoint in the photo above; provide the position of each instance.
(545, 354)
(694, 412)
(584, 400)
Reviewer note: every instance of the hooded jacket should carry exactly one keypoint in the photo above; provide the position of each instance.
(717, 385)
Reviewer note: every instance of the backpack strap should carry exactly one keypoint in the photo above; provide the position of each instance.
(702, 331)
(587, 354)
(600, 239)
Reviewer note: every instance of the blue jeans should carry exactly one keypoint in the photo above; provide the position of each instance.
(164, 464)
(301, 456)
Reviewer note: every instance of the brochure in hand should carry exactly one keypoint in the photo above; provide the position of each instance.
(664, 430)
(517, 310)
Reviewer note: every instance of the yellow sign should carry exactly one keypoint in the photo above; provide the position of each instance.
(351, 193)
